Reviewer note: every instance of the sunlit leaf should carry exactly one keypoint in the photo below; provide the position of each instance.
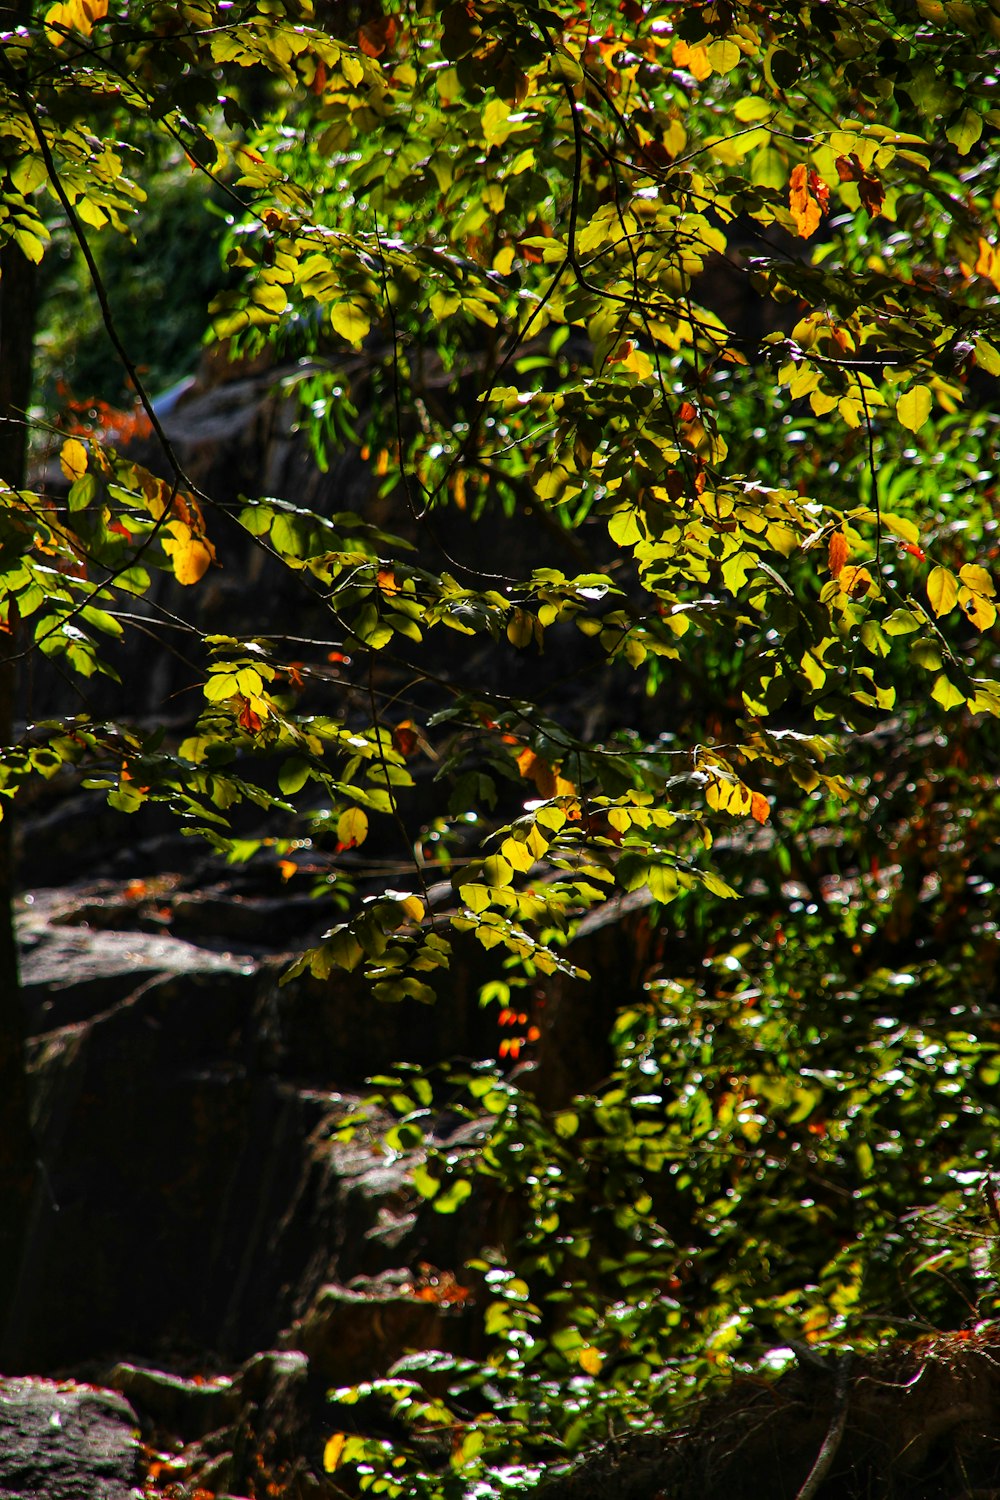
(352, 827)
(942, 590)
(914, 407)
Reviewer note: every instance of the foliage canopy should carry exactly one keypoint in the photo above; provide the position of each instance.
(702, 298)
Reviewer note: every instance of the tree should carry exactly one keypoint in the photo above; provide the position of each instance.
(696, 306)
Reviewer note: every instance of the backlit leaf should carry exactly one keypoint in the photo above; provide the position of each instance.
(804, 207)
(352, 827)
(333, 1450)
(946, 693)
(350, 321)
(914, 407)
(965, 131)
(942, 590)
(73, 459)
(837, 553)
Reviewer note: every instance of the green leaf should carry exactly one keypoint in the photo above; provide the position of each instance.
(81, 492)
(965, 131)
(453, 1198)
(293, 776)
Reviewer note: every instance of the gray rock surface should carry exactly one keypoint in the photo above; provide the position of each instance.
(70, 971)
(66, 1442)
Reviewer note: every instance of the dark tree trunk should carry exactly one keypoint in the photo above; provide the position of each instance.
(18, 300)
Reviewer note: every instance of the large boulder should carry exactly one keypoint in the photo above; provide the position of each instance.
(66, 1442)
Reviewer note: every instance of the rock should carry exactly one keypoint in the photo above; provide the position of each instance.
(66, 1442)
(355, 1333)
(186, 1409)
(70, 972)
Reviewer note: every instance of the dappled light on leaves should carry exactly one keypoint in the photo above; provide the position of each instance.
(637, 615)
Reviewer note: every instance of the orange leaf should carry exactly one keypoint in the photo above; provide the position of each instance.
(856, 582)
(404, 738)
(760, 808)
(376, 35)
(190, 555)
(804, 208)
(287, 868)
(248, 717)
(872, 194)
(837, 555)
(525, 762)
(819, 189)
(546, 779)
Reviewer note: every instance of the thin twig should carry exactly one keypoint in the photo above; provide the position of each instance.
(834, 1433)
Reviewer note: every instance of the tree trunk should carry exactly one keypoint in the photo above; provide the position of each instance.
(18, 1169)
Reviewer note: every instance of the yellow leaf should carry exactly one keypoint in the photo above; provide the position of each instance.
(73, 459)
(190, 555)
(942, 590)
(352, 827)
(977, 579)
(902, 527)
(497, 871)
(987, 357)
(74, 15)
(723, 55)
(476, 896)
(249, 682)
(590, 1360)
(350, 321)
(517, 854)
(414, 908)
(946, 693)
(352, 69)
(914, 407)
(220, 686)
(977, 608)
(334, 1448)
(520, 628)
(728, 795)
